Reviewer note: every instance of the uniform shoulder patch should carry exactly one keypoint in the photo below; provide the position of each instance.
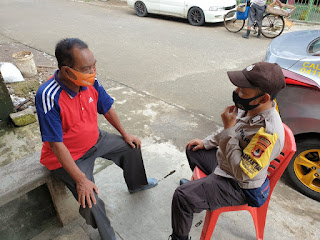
(256, 155)
(256, 119)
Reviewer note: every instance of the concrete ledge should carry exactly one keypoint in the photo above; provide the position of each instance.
(21, 177)
(65, 204)
(26, 174)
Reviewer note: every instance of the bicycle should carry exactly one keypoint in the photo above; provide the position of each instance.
(272, 25)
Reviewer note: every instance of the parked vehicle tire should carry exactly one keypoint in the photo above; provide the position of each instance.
(231, 23)
(304, 167)
(196, 16)
(272, 25)
(141, 9)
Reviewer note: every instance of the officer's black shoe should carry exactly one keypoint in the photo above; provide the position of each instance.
(183, 181)
(259, 33)
(175, 237)
(246, 35)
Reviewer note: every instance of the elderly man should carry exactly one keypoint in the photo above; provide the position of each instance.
(237, 157)
(67, 106)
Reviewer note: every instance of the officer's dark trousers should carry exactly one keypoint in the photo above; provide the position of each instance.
(112, 147)
(209, 193)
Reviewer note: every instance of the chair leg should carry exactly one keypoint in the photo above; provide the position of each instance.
(209, 224)
(259, 218)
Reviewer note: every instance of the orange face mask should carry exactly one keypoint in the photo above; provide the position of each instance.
(80, 79)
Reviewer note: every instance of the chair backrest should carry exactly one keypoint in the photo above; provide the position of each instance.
(278, 165)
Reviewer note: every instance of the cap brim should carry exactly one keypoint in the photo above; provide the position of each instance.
(238, 79)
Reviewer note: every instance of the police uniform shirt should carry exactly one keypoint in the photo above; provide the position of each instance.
(245, 151)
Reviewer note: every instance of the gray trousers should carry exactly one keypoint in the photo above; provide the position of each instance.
(112, 147)
(256, 13)
(209, 193)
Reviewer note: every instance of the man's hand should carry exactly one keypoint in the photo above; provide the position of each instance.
(113, 119)
(198, 143)
(85, 189)
(229, 116)
(133, 141)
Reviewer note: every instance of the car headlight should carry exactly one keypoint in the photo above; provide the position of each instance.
(216, 8)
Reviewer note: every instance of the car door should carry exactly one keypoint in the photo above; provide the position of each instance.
(309, 66)
(172, 7)
(153, 6)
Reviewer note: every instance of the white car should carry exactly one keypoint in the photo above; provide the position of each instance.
(196, 11)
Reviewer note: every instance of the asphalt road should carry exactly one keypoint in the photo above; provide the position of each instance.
(165, 57)
(172, 77)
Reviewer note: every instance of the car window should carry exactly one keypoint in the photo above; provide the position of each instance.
(314, 47)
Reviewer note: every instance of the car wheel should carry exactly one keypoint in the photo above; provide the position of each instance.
(304, 167)
(141, 9)
(196, 16)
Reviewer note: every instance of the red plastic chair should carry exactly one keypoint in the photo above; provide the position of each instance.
(276, 168)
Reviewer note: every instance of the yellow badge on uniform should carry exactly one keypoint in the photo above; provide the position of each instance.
(256, 155)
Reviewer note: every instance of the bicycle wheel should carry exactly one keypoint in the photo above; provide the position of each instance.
(272, 26)
(231, 23)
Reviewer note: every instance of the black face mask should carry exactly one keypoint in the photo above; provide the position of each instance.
(243, 103)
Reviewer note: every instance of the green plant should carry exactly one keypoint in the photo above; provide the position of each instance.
(303, 15)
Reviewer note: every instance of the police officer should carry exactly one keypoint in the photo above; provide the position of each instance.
(236, 157)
